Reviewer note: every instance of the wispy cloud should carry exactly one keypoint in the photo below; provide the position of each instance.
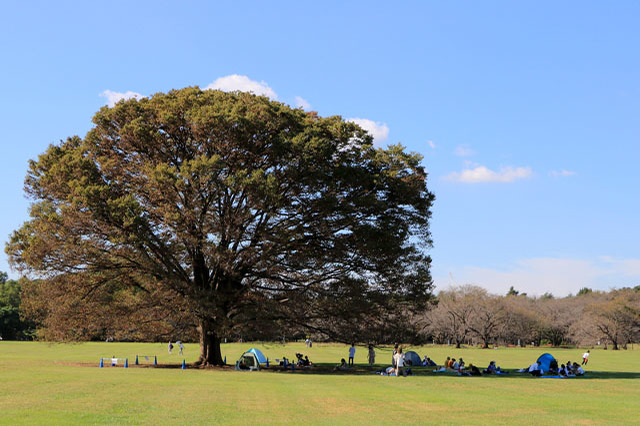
(558, 276)
(379, 131)
(431, 144)
(561, 173)
(114, 97)
(463, 151)
(302, 103)
(242, 83)
(482, 174)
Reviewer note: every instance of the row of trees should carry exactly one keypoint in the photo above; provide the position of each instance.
(462, 315)
(469, 314)
(13, 326)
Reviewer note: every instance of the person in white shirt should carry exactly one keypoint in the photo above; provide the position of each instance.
(352, 353)
(563, 371)
(578, 370)
(585, 357)
(399, 362)
(535, 369)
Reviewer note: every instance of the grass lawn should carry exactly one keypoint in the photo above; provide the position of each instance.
(62, 384)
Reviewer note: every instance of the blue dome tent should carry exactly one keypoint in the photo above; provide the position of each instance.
(261, 358)
(545, 360)
(251, 360)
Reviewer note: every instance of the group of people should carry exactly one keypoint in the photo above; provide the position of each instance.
(428, 362)
(345, 366)
(565, 370)
(399, 365)
(303, 360)
(458, 365)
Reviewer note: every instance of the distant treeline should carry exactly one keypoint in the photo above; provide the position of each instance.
(461, 315)
(469, 314)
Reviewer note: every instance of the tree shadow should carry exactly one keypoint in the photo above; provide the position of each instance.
(359, 370)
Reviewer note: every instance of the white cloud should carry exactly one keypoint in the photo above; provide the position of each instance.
(625, 267)
(379, 131)
(463, 151)
(302, 103)
(114, 97)
(558, 276)
(561, 173)
(482, 174)
(242, 83)
(431, 144)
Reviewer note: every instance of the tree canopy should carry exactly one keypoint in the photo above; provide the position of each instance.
(217, 210)
(12, 326)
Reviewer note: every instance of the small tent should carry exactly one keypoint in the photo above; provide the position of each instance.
(261, 358)
(412, 358)
(546, 360)
(251, 360)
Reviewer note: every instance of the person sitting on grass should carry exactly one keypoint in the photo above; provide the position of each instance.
(568, 370)
(562, 371)
(577, 370)
(535, 369)
(491, 369)
(342, 366)
(474, 371)
(446, 363)
(428, 362)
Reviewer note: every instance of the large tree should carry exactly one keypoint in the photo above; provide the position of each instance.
(220, 209)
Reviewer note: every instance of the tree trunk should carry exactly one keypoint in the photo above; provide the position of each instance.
(209, 345)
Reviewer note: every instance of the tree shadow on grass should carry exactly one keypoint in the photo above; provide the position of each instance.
(359, 370)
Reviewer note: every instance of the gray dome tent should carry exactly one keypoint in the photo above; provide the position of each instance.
(412, 358)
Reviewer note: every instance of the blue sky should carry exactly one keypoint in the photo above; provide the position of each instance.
(526, 112)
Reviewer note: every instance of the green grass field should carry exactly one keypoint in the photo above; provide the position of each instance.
(62, 384)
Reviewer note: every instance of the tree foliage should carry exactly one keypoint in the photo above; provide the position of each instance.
(469, 313)
(12, 324)
(220, 210)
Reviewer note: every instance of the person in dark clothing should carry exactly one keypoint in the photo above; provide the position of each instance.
(474, 371)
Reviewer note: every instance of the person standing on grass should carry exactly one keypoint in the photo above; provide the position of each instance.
(181, 346)
(352, 353)
(170, 347)
(372, 356)
(393, 357)
(399, 362)
(585, 357)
